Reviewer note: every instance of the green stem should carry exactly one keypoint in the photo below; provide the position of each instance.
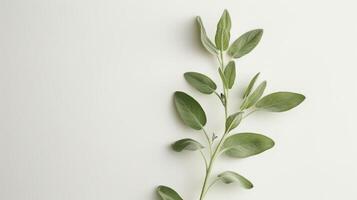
(210, 166)
(205, 187)
(204, 159)
(208, 141)
(222, 60)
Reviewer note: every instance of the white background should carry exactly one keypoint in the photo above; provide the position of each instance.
(86, 90)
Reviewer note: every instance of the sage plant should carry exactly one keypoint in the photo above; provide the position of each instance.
(230, 143)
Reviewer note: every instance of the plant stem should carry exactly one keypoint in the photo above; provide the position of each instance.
(210, 166)
(217, 149)
(225, 90)
(208, 141)
(204, 159)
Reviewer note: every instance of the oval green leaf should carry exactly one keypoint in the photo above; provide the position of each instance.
(280, 101)
(223, 31)
(206, 42)
(167, 193)
(250, 86)
(245, 43)
(230, 74)
(229, 177)
(243, 145)
(233, 121)
(254, 97)
(189, 110)
(186, 144)
(201, 82)
(223, 78)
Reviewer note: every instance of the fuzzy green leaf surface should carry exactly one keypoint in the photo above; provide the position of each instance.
(244, 145)
(233, 121)
(245, 43)
(230, 74)
(186, 144)
(189, 110)
(223, 31)
(167, 193)
(280, 101)
(250, 86)
(223, 77)
(201, 82)
(229, 177)
(254, 97)
(206, 42)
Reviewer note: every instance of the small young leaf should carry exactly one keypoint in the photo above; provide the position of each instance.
(250, 86)
(222, 97)
(214, 136)
(233, 121)
(228, 177)
(186, 144)
(243, 145)
(280, 101)
(230, 74)
(223, 77)
(223, 31)
(167, 193)
(206, 42)
(201, 82)
(189, 110)
(254, 97)
(245, 43)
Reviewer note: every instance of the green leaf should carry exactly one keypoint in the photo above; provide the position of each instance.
(229, 177)
(250, 86)
(245, 43)
(280, 101)
(223, 77)
(233, 121)
(201, 82)
(189, 110)
(243, 145)
(254, 97)
(167, 193)
(223, 31)
(186, 144)
(230, 74)
(206, 42)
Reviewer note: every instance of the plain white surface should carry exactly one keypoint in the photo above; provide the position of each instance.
(86, 98)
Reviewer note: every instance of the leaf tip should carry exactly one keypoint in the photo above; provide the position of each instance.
(303, 97)
(173, 147)
(158, 188)
(177, 93)
(272, 143)
(250, 186)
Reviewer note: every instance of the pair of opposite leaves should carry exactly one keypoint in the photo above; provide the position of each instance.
(193, 115)
(240, 47)
(239, 145)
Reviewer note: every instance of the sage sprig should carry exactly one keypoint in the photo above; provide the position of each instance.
(230, 143)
